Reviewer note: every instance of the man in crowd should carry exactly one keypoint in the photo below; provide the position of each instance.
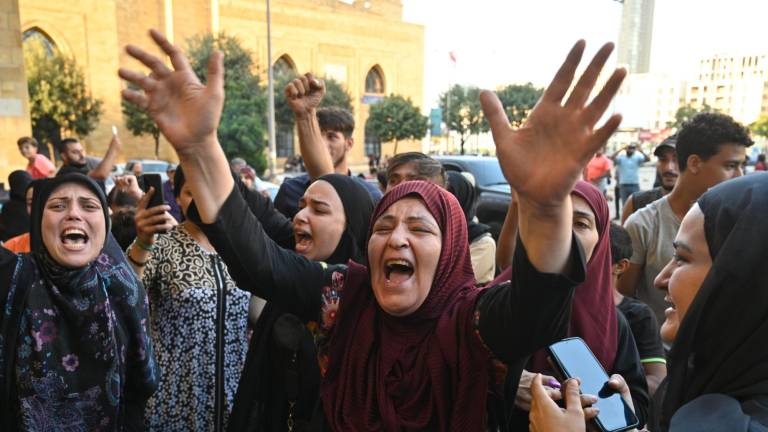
(74, 158)
(331, 126)
(627, 166)
(666, 170)
(39, 166)
(598, 171)
(711, 148)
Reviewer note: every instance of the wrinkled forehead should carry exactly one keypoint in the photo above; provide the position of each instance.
(72, 191)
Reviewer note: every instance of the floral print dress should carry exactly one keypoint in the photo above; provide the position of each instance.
(200, 355)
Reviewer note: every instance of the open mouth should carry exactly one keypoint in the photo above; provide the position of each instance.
(302, 239)
(74, 239)
(398, 270)
(671, 305)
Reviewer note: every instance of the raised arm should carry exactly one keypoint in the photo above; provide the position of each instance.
(304, 95)
(104, 168)
(187, 113)
(505, 246)
(559, 136)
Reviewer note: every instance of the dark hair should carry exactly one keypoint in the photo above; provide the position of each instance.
(26, 140)
(178, 182)
(426, 167)
(705, 133)
(336, 119)
(65, 142)
(761, 157)
(119, 198)
(621, 243)
(124, 227)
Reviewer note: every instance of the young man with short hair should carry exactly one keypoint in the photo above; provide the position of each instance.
(39, 166)
(711, 148)
(75, 160)
(332, 127)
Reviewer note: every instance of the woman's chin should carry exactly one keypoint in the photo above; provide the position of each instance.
(669, 330)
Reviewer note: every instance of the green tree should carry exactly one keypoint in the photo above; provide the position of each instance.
(139, 122)
(760, 126)
(59, 101)
(685, 113)
(518, 101)
(242, 130)
(464, 115)
(395, 118)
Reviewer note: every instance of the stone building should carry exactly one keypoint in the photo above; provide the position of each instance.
(363, 44)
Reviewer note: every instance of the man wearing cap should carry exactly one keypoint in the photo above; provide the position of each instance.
(666, 170)
(168, 195)
(627, 166)
(711, 148)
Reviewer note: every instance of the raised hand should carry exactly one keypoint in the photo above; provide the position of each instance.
(304, 94)
(186, 111)
(152, 221)
(543, 159)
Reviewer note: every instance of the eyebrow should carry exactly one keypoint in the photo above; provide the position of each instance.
(590, 216)
(682, 245)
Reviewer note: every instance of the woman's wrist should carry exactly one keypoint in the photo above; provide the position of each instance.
(144, 245)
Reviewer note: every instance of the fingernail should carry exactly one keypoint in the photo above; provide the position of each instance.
(553, 383)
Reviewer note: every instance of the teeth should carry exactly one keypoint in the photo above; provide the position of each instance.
(398, 262)
(69, 231)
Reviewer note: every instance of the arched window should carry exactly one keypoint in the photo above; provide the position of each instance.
(374, 81)
(284, 66)
(37, 39)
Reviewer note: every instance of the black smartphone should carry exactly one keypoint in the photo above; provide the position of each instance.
(573, 359)
(152, 180)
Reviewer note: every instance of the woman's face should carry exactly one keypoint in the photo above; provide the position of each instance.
(73, 226)
(683, 275)
(246, 181)
(184, 199)
(585, 225)
(403, 253)
(320, 222)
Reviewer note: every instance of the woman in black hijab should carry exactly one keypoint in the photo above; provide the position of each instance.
(281, 376)
(14, 219)
(482, 247)
(76, 353)
(718, 288)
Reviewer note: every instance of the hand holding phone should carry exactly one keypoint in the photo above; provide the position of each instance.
(155, 181)
(573, 359)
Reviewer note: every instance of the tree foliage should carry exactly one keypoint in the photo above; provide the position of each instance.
(518, 101)
(464, 115)
(760, 126)
(243, 126)
(139, 122)
(687, 112)
(59, 101)
(395, 118)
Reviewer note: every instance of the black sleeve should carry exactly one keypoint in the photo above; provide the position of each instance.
(627, 364)
(645, 329)
(8, 262)
(255, 262)
(531, 310)
(278, 227)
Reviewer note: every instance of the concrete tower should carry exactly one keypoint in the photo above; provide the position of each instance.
(635, 36)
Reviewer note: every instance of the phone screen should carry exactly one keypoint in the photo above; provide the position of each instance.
(154, 180)
(575, 360)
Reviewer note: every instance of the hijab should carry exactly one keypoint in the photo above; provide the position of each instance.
(417, 372)
(78, 338)
(720, 346)
(14, 219)
(466, 193)
(593, 317)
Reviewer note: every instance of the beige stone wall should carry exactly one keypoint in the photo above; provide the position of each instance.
(319, 35)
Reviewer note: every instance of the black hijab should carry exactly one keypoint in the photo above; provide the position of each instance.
(358, 208)
(14, 219)
(721, 344)
(89, 330)
(466, 193)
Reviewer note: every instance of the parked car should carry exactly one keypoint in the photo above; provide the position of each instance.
(149, 166)
(494, 193)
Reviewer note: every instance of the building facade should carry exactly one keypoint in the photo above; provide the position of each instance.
(364, 45)
(635, 36)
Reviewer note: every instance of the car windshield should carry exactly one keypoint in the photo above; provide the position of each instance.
(488, 172)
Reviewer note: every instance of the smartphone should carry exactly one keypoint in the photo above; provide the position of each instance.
(152, 180)
(573, 359)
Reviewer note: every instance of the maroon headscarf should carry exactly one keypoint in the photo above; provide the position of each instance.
(424, 371)
(593, 317)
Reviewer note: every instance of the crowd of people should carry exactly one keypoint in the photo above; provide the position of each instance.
(351, 306)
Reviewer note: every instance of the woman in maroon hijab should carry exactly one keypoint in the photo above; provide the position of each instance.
(406, 342)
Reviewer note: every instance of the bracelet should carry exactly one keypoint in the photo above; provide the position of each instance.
(142, 246)
(136, 263)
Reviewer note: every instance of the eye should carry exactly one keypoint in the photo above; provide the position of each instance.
(678, 259)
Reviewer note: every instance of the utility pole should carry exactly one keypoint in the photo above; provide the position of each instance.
(270, 99)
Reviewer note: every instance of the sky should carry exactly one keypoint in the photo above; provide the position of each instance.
(499, 42)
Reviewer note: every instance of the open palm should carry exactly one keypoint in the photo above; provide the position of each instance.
(186, 111)
(543, 159)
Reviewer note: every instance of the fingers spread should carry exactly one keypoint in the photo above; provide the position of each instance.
(584, 86)
(564, 76)
(600, 136)
(152, 62)
(137, 78)
(178, 59)
(494, 112)
(597, 107)
(136, 98)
